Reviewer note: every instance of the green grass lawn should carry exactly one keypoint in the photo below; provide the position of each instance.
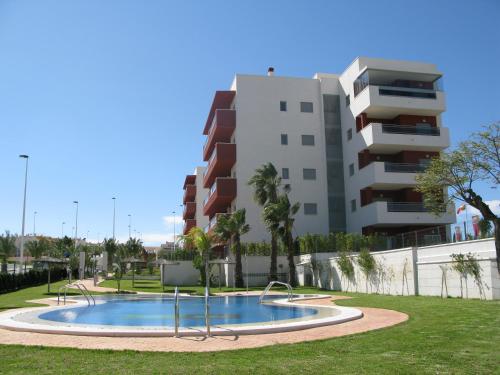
(450, 336)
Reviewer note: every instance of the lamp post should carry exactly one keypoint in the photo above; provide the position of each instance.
(114, 216)
(62, 229)
(21, 247)
(34, 223)
(129, 226)
(76, 221)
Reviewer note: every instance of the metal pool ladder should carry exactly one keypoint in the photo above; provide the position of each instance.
(207, 312)
(81, 287)
(176, 311)
(270, 285)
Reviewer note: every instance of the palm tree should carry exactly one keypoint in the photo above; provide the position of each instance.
(110, 247)
(230, 227)
(7, 249)
(283, 212)
(266, 183)
(203, 242)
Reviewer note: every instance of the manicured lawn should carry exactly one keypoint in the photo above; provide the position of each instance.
(19, 298)
(449, 336)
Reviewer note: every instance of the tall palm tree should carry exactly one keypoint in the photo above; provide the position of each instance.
(266, 183)
(230, 227)
(203, 242)
(283, 212)
(7, 249)
(110, 247)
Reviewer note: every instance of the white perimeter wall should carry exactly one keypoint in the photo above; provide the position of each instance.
(410, 271)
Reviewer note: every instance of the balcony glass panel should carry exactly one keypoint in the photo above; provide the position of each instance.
(404, 167)
(400, 83)
(419, 129)
(406, 207)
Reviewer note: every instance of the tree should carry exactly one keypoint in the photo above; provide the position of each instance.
(475, 160)
(203, 243)
(110, 247)
(39, 247)
(230, 227)
(283, 212)
(7, 249)
(266, 183)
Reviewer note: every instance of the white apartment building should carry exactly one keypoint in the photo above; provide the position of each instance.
(349, 146)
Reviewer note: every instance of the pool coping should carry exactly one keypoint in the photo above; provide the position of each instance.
(345, 314)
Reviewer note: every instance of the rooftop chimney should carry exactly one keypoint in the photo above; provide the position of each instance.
(270, 71)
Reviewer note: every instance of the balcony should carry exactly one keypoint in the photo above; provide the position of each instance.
(378, 137)
(189, 193)
(189, 210)
(189, 223)
(220, 130)
(385, 92)
(381, 175)
(399, 214)
(222, 100)
(189, 180)
(220, 163)
(221, 194)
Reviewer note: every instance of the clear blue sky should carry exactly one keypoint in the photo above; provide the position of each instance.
(109, 98)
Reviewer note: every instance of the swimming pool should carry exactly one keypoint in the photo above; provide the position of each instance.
(153, 315)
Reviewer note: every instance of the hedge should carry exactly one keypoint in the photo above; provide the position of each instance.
(13, 282)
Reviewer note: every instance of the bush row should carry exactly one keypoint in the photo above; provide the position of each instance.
(12, 282)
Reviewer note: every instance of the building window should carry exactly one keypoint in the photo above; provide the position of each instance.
(285, 173)
(284, 139)
(351, 169)
(349, 134)
(309, 173)
(347, 100)
(308, 140)
(353, 205)
(310, 209)
(282, 106)
(306, 107)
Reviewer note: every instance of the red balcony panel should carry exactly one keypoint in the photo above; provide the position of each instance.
(221, 130)
(189, 180)
(222, 100)
(221, 164)
(189, 210)
(188, 224)
(189, 193)
(221, 198)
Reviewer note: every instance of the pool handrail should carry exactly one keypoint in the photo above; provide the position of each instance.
(270, 285)
(84, 291)
(176, 311)
(207, 312)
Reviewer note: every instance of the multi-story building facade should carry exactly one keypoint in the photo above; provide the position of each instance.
(348, 145)
(194, 194)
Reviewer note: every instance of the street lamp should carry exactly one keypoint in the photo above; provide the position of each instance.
(62, 229)
(76, 221)
(34, 223)
(114, 216)
(21, 249)
(129, 225)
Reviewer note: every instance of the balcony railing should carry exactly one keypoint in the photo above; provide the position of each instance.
(410, 129)
(391, 84)
(404, 167)
(406, 207)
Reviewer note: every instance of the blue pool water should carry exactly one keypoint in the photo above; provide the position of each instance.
(158, 311)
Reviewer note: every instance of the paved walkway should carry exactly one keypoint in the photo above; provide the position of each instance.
(373, 319)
